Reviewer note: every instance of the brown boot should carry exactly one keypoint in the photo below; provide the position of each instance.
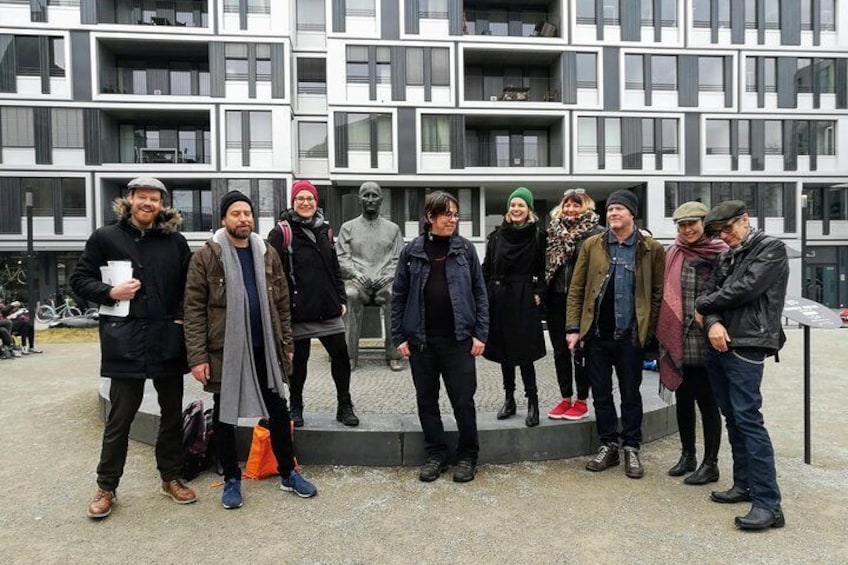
(101, 504)
(178, 491)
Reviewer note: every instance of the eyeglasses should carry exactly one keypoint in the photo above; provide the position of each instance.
(450, 215)
(727, 228)
(573, 191)
(308, 198)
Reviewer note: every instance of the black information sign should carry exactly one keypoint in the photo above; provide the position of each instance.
(810, 313)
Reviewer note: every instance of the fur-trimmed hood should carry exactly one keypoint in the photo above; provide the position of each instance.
(168, 221)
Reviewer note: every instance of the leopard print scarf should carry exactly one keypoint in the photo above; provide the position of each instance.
(563, 235)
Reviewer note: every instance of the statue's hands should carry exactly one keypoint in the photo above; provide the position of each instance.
(404, 349)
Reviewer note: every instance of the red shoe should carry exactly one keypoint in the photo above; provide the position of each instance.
(558, 411)
(578, 411)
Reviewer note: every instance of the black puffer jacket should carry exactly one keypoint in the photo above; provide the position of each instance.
(312, 271)
(746, 293)
(148, 343)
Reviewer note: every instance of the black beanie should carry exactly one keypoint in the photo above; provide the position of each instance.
(626, 199)
(231, 198)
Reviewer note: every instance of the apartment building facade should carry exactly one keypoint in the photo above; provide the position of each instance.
(673, 99)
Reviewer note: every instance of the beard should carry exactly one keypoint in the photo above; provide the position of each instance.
(240, 233)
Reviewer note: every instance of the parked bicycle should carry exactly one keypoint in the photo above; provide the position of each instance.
(47, 313)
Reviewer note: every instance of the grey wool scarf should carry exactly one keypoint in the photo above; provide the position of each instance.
(241, 396)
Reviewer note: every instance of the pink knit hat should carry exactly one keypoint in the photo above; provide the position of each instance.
(300, 186)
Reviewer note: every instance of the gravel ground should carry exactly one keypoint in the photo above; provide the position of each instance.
(523, 513)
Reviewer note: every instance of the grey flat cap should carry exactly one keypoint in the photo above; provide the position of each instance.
(147, 182)
(689, 211)
(725, 212)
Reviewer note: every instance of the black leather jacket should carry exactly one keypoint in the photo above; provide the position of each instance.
(746, 293)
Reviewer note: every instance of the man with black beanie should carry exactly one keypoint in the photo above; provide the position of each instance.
(613, 304)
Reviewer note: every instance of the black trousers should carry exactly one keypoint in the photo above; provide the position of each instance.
(565, 369)
(696, 388)
(336, 347)
(281, 437)
(125, 396)
(528, 376)
(602, 355)
(452, 361)
(26, 330)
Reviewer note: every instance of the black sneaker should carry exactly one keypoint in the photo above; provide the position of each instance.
(432, 470)
(632, 466)
(607, 457)
(465, 471)
(296, 415)
(346, 416)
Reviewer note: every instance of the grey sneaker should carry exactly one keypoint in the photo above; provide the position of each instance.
(607, 457)
(632, 466)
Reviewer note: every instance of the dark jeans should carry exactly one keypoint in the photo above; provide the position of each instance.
(696, 387)
(336, 347)
(562, 355)
(26, 330)
(125, 396)
(279, 426)
(453, 361)
(528, 376)
(601, 357)
(735, 376)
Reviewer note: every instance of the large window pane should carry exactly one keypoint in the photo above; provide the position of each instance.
(414, 66)
(57, 56)
(310, 15)
(433, 9)
(587, 135)
(611, 16)
(233, 119)
(773, 13)
(750, 14)
(702, 192)
(718, 137)
(360, 8)
(17, 127)
(263, 62)
(672, 198)
(357, 64)
(73, 197)
(312, 140)
(806, 15)
(664, 72)
(711, 74)
(770, 74)
(648, 135)
(669, 136)
(828, 15)
(772, 194)
(311, 76)
(435, 134)
(750, 74)
(587, 70)
(774, 137)
(260, 130)
(66, 128)
(535, 149)
(804, 76)
(646, 12)
(634, 74)
(440, 61)
(801, 137)
(724, 13)
(669, 13)
(744, 137)
(825, 132)
(384, 132)
(359, 132)
(266, 197)
(586, 12)
(825, 76)
(26, 52)
(701, 13)
(612, 135)
(236, 61)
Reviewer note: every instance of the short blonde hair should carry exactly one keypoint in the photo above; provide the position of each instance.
(578, 195)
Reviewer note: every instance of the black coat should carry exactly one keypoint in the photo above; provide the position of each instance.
(312, 270)
(514, 271)
(746, 293)
(147, 344)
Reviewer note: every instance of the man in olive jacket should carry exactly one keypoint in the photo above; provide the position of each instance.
(239, 341)
(613, 304)
(148, 342)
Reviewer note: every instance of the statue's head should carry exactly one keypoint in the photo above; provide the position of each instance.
(370, 198)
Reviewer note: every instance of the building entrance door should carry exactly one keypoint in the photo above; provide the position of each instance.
(822, 284)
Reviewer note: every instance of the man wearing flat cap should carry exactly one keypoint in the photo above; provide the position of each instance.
(613, 303)
(146, 344)
(742, 307)
(239, 340)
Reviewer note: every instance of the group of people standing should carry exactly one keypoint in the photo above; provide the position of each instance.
(240, 313)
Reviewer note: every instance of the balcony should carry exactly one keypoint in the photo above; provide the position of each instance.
(511, 19)
(514, 77)
(146, 68)
(520, 142)
(179, 13)
(156, 138)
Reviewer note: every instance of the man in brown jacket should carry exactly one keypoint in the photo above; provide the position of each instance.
(613, 303)
(239, 341)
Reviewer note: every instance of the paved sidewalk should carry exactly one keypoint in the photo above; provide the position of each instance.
(522, 513)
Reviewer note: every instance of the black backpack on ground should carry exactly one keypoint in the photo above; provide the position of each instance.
(198, 440)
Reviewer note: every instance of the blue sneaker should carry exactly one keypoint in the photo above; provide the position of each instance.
(232, 494)
(298, 485)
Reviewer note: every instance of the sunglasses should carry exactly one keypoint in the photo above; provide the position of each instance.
(573, 191)
(725, 229)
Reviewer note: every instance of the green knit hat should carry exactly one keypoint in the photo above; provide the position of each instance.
(524, 194)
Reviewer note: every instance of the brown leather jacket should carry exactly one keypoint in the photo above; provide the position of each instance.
(206, 311)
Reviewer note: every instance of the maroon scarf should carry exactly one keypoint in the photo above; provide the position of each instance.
(670, 321)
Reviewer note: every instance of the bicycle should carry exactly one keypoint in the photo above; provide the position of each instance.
(47, 313)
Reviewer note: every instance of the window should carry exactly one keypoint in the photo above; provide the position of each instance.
(669, 13)
(359, 132)
(414, 66)
(535, 149)
(774, 137)
(806, 15)
(357, 64)
(612, 135)
(611, 12)
(17, 127)
(433, 9)
(312, 76)
(384, 132)
(73, 196)
(669, 136)
(180, 79)
(502, 149)
(233, 119)
(672, 198)
(360, 8)
(825, 76)
(772, 194)
(750, 74)
(236, 61)
(26, 52)
(57, 57)
(718, 137)
(711, 74)
(825, 134)
(258, 6)
(310, 15)
(804, 76)
(587, 135)
(746, 192)
(66, 128)
(646, 14)
(384, 67)
(42, 195)
(828, 11)
(801, 137)
(634, 74)
(770, 64)
(265, 188)
(648, 135)
(724, 13)
(435, 134)
(744, 137)
(664, 72)
(260, 130)
(586, 12)
(750, 14)
(701, 13)
(263, 62)
(230, 7)
(440, 62)
(312, 140)
(773, 14)
(195, 206)
(587, 70)
(498, 23)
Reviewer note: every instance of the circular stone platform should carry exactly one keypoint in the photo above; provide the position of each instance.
(389, 433)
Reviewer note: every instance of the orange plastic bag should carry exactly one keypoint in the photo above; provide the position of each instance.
(261, 462)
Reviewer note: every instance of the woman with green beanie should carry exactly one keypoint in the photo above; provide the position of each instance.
(514, 270)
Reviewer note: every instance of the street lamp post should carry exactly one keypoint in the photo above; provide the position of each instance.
(30, 257)
(804, 287)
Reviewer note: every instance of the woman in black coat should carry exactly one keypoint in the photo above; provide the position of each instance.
(514, 272)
